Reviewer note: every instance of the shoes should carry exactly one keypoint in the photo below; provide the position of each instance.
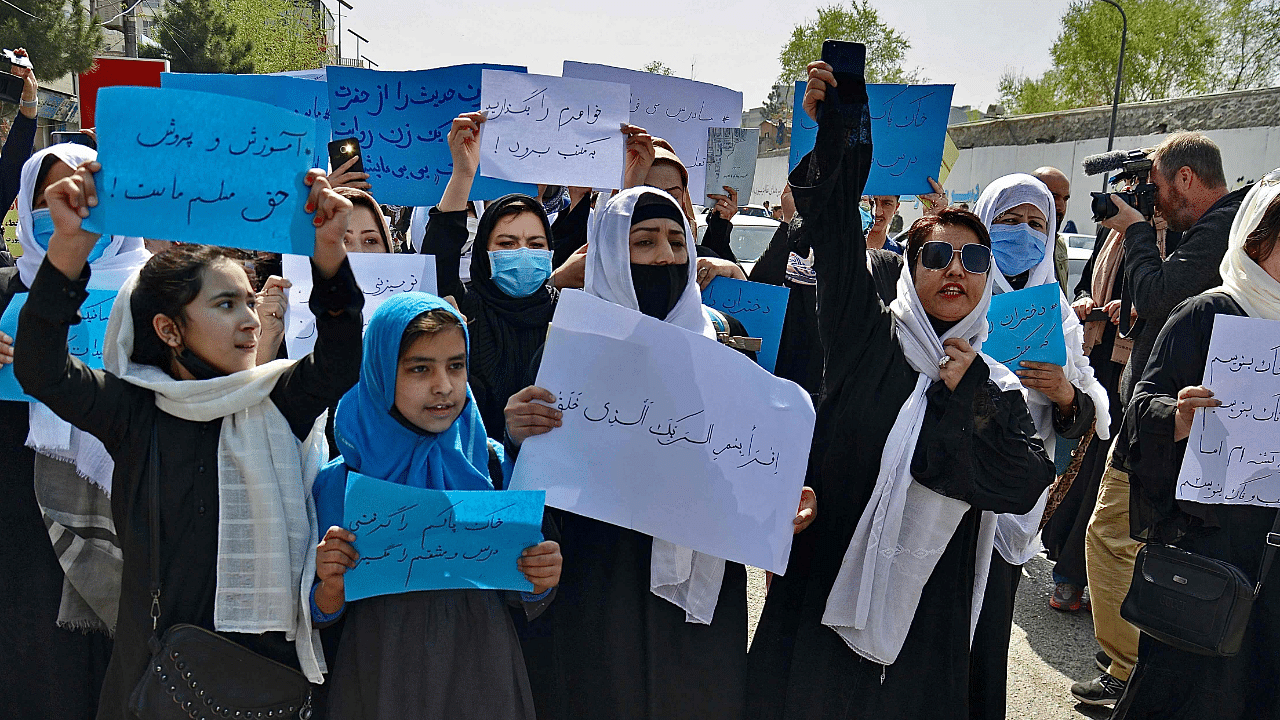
(1067, 597)
(1102, 660)
(1102, 690)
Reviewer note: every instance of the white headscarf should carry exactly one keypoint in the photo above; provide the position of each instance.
(1017, 536)
(50, 435)
(1253, 288)
(906, 527)
(690, 580)
(267, 522)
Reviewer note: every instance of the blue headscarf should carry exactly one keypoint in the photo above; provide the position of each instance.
(374, 443)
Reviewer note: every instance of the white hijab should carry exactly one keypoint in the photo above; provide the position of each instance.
(50, 435)
(691, 580)
(266, 515)
(906, 527)
(1253, 288)
(1017, 536)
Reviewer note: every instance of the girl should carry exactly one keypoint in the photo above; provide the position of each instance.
(238, 443)
(412, 420)
(367, 231)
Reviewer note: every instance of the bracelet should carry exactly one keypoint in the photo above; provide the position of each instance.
(28, 104)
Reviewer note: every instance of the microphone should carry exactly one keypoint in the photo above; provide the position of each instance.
(1105, 162)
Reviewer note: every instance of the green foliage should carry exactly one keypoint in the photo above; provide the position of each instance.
(198, 37)
(779, 104)
(284, 34)
(859, 22)
(61, 37)
(1249, 37)
(657, 68)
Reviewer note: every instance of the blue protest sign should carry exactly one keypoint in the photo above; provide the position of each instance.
(201, 168)
(1026, 325)
(759, 307)
(84, 340)
(308, 98)
(402, 120)
(417, 539)
(908, 130)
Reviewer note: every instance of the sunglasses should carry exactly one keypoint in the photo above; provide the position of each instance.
(936, 255)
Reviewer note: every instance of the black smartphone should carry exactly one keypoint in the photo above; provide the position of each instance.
(340, 151)
(10, 87)
(78, 138)
(848, 61)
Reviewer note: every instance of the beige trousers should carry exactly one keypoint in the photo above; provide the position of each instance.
(1109, 553)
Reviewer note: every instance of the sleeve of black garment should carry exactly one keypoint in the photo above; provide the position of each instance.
(1158, 286)
(321, 378)
(1077, 425)
(445, 235)
(717, 235)
(569, 231)
(17, 150)
(95, 401)
(771, 266)
(979, 445)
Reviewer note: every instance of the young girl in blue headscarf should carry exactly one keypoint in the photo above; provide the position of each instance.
(412, 420)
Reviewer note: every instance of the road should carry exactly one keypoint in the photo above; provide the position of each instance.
(1049, 650)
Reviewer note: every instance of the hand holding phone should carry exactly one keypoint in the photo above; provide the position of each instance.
(347, 164)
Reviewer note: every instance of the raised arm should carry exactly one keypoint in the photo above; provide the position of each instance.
(446, 232)
(22, 136)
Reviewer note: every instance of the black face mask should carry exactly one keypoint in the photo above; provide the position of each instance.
(659, 287)
(196, 365)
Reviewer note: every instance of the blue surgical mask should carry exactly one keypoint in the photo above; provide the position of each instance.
(1017, 248)
(42, 230)
(519, 273)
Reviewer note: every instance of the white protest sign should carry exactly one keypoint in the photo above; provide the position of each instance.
(731, 161)
(551, 130)
(674, 109)
(379, 275)
(668, 433)
(1233, 452)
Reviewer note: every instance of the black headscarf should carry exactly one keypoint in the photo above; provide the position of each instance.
(505, 331)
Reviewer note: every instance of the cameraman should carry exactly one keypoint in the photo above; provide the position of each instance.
(1191, 194)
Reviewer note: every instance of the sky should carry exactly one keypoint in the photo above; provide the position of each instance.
(970, 43)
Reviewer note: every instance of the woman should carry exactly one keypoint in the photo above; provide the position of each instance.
(367, 231)
(508, 301)
(446, 653)
(918, 436)
(180, 357)
(1018, 211)
(1167, 682)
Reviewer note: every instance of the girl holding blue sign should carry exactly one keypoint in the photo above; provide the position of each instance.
(412, 420)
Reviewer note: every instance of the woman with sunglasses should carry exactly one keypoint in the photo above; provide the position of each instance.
(919, 439)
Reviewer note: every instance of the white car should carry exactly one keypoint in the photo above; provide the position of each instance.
(749, 238)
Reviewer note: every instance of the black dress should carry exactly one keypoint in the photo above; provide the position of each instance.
(121, 416)
(977, 444)
(1167, 683)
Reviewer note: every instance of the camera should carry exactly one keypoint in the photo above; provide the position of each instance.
(1135, 167)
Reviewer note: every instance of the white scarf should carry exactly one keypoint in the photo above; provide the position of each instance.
(49, 434)
(1253, 289)
(906, 527)
(267, 518)
(1018, 536)
(688, 579)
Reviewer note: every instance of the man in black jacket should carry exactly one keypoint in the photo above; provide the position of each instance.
(1192, 196)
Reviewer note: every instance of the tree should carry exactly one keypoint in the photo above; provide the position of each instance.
(198, 37)
(60, 36)
(1248, 35)
(886, 47)
(657, 68)
(284, 34)
(779, 105)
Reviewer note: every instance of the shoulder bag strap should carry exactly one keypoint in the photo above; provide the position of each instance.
(153, 492)
(1273, 541)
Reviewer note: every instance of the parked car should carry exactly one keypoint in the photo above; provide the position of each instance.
(749, 238)
(1077, 257)
(754, 211)
(1079, 240)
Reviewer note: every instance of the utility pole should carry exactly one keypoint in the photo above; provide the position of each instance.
(347, 5)
(131, 29)
(359, 39)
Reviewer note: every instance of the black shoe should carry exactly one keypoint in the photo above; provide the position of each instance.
(1102, 660)
(1102, 690)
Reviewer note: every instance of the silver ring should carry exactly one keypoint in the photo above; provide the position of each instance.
(943, 362)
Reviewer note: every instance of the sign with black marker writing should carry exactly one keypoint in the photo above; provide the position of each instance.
(557, 131)
(1233, 456)
(413, 539)
(731, 160)
(668, 433)
(1026, 325)
(200, 168)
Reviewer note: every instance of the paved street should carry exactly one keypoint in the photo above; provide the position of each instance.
(1049, 650)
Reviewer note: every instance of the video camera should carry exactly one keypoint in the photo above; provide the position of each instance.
(1133, 165)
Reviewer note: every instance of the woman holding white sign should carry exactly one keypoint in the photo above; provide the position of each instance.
(919, 439)
(1169, 682)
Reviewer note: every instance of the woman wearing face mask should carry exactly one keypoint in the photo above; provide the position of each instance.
(919, 438)
(508, 302)
(1018, 210)
(59, 591)
(179, 359)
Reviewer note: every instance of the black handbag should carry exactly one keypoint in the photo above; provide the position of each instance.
(195, 674)
(1192, 602)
